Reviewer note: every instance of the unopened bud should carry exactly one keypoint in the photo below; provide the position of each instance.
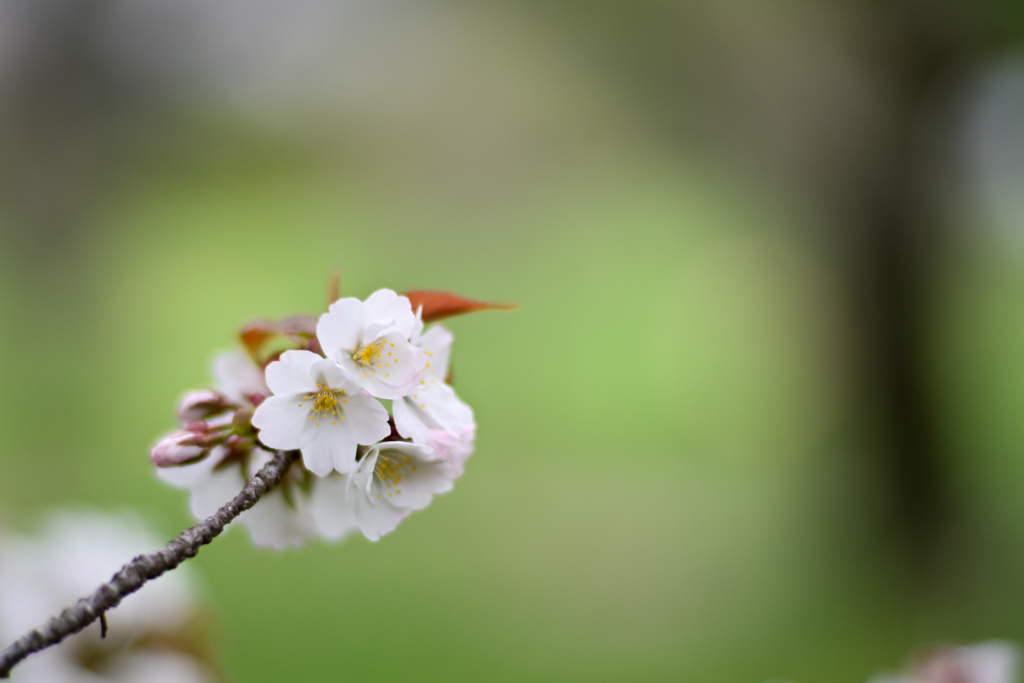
(199, 405)
(177, 448)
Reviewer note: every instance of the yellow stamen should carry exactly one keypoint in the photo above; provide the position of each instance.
(325, 404)
(368, 355)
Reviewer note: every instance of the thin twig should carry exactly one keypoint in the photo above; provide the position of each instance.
(133, 575)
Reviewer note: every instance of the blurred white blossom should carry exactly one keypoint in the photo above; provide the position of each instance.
(987, 662)
(152, 635)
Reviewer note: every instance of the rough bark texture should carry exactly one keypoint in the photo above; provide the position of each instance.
(133, 575)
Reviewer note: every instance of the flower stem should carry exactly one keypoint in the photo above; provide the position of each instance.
(133, 575)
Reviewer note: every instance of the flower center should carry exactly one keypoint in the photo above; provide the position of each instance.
(369, 354)
(325, 404)
(390, 471)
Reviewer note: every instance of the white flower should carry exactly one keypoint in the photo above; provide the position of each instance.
(391, 480)
(370, 341)
(988, 662)
(150, 635)
(432, 405)
(318, 410)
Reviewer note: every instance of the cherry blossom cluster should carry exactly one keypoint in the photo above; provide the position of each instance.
(366, 401)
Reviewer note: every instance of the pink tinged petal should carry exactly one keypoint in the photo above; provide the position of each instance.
(443, 443)
(332, 509)
(437, 347)
(237, 376)
(174, 450)
(387, 305)
(327, 446)
(455, 449)
(291, 373)
(365, 419)
(340, 329)
(281, 420)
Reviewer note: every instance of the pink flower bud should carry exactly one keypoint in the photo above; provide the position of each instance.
(177, 448)
(199, 405)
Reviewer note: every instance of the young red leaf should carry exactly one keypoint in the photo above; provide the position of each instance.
(265, 339)
(438, 305)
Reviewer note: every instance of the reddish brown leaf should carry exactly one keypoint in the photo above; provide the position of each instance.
(255, 335)
(266, 339)
(438, 305)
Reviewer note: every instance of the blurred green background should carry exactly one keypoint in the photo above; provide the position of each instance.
(759, 414)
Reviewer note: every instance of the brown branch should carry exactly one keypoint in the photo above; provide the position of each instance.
(133, 575)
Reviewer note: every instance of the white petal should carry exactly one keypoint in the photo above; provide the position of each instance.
(216, 491)
(237, 375)
(449, 411)
(188, 476)
(365, 419)
(377, 329)
(397, 371)
(420, 476)
(340, 329)
(139, 664)
(328, 446)
(292, 373)
(409, 421)
(437, 346)
(281, 420)
(386, 305)
(431, 406)
(994, 661)
(417, 327)
(376, 520)
(275, 523)
(328, 373)
(332, 511)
